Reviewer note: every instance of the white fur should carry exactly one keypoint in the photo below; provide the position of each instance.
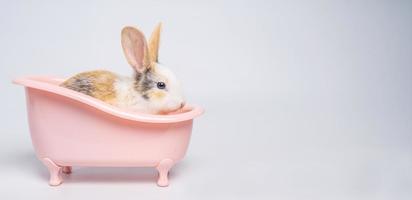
(174, 98)
(129, 98)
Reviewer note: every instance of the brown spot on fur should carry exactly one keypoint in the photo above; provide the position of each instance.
(144, 82)
(98, 84)
(157, 94)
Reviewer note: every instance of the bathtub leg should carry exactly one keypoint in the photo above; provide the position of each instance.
(67, 169)
(163, 168)
(55, 172)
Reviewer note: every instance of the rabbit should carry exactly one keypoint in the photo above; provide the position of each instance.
(152, 89)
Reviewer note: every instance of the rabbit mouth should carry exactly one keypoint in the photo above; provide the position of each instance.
(176, 110)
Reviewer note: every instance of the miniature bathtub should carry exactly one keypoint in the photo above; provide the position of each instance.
(72, 129)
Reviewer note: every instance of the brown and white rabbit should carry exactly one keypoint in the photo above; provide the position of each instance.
(152, 89)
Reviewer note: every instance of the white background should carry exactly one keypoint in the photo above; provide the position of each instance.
(303, 99)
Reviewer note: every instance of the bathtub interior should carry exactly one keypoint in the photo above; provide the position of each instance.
(51, 84)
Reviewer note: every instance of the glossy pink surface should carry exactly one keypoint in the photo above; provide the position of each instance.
(72, 129)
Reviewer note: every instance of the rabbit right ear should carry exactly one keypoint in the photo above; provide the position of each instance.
(154, 42)
(135, 48)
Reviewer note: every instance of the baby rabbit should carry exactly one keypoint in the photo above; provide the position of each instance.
(152, 89)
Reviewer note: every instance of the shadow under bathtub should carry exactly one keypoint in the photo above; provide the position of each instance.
(26, 162)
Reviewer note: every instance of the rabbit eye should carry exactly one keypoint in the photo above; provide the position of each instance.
(161, 85)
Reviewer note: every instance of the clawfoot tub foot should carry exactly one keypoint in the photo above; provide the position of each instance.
(55, 172)
(67, 169)
(163, 168)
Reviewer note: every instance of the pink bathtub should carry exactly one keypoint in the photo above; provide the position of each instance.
(72, 129)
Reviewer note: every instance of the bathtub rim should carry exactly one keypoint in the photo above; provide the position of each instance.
(36, 83)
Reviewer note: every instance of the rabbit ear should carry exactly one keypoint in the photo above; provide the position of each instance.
(154, 43)
(135, 48)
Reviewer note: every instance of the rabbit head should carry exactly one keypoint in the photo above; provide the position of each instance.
(155, 83)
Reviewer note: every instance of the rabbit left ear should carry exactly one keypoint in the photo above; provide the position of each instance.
(135, 49)
(154, 43)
